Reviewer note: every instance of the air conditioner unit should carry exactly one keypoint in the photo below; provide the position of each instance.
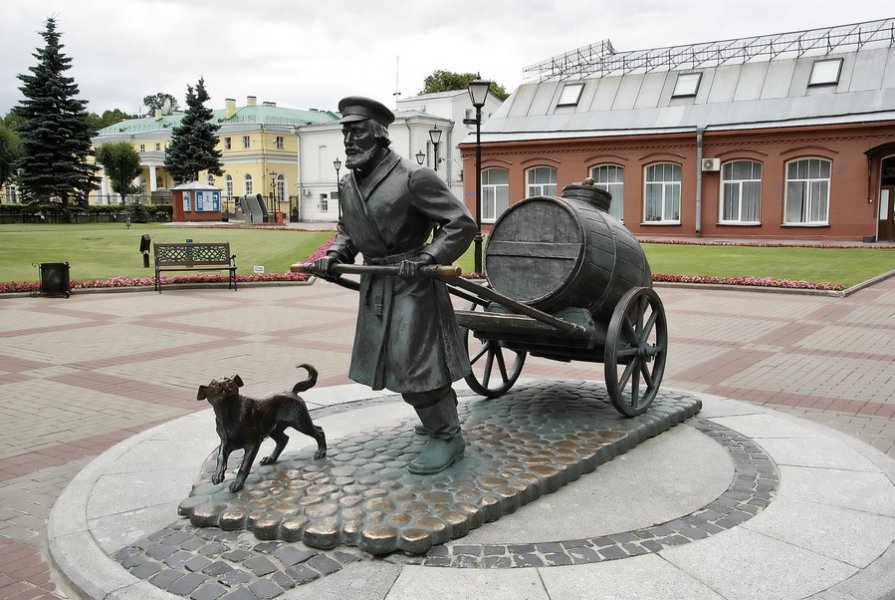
(711, 164)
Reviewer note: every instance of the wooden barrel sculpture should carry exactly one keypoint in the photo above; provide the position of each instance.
(557, 252)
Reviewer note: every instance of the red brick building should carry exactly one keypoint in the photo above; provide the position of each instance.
(777, 136)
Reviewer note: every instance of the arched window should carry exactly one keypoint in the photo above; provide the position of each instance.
(495, 193)
(662, 193)
(612, 179)
(741, 192)
(807, 192)
(228, 186)
(540, 181)
(210, 179)
(281, 187)
(247, 184)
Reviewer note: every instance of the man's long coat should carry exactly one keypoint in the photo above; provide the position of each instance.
(407, 338)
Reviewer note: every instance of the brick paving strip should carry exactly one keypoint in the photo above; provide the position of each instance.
(208, 562)
(316, 321)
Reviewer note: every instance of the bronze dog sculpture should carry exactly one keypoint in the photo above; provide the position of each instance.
(243, 422)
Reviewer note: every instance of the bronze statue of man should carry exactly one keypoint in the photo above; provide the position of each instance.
(395, 212)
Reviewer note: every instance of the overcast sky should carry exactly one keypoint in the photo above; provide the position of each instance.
(308, 54)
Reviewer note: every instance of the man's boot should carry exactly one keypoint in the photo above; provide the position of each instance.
(420, 429)
(445, 445)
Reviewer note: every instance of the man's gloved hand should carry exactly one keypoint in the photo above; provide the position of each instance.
(323, 265)
(411, 267)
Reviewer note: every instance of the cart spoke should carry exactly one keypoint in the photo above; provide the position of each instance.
(650, 323)
(647, 376)
(623, 380)
(628, 330)
(635, 388)
(480, 354)
(489, 363)
(498, 354)
(642, 305)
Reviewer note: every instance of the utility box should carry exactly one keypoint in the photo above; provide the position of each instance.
(196, 201)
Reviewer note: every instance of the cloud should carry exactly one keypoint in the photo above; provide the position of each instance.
(306, 55)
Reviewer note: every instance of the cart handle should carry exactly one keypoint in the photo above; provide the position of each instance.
(449, 274)
(448, 271)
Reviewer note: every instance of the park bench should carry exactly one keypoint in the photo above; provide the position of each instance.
(208, 256)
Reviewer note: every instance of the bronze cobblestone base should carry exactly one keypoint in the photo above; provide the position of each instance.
(208, 562)
(521, 446)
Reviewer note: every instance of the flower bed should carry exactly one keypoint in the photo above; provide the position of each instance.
(749, 281)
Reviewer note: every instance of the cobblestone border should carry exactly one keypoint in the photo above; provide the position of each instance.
(207, 563)
(753, 487)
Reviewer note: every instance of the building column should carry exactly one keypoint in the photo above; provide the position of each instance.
(152, 186)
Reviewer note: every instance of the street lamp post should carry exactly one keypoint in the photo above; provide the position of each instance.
(273, 193)
(337, 164)
(435, 138)
(420, 157)
(478, 93)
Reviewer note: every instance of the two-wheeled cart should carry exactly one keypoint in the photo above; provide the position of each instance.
(566, 281)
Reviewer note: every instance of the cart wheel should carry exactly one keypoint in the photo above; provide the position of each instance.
(484, 356)
(636, 349)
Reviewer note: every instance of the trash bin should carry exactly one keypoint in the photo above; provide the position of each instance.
(55, 279)
(280, 217)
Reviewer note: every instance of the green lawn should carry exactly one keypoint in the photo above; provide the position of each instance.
(105, 250)
(846, 266)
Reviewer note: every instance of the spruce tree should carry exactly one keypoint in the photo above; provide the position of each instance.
(193, 142)
(54, 130)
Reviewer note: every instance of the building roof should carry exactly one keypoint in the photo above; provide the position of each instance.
(746, 83)
(263, 114)
(435, 95)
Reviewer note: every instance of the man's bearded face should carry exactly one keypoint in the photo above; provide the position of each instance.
(361, 145)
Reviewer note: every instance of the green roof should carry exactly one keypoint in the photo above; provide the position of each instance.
(263, 114)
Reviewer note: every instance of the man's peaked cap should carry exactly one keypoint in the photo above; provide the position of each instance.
(358, 108)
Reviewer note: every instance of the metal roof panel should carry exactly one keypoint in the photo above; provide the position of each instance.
(650, 90)
(628, 88)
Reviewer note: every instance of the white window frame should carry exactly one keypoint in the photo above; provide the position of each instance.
(495, 196)
(281, 187)
(571, 94)
(246, 142)
(227, 143)
(812, 192)
(825, 72)
(210, 179)
(540, 188)
(280, 142)
(659, 184)
(686, 85)
(737, 187)
(228, 186)
(247, 184)
(611, 178)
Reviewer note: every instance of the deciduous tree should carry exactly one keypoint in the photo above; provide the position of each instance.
(54, 131)
(448, 81)
(161, 101)
(9, 152)
(192, 148)
(109, 117)
(122, 164)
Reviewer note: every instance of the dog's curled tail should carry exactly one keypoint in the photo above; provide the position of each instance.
(308, 383)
